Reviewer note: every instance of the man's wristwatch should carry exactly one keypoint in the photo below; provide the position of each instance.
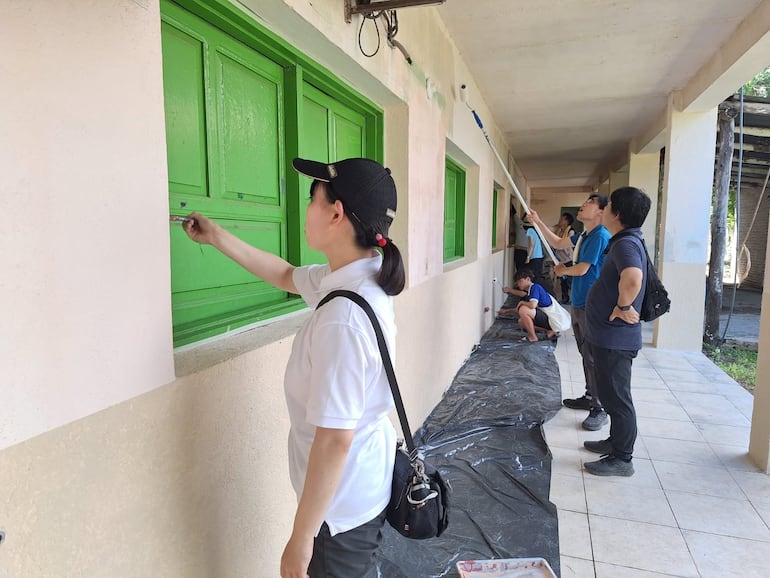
(623, 307)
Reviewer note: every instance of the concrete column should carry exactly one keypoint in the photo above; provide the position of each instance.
(687, 183)
(644, 173)
(759, 443)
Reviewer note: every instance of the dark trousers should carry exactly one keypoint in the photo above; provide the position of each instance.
(612, 368)
(520, 258)
(347, 554)
(579, 329)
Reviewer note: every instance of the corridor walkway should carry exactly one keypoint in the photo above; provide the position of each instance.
(696, 507)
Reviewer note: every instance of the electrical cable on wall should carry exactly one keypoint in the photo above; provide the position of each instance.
(391, 29)
(373, 17)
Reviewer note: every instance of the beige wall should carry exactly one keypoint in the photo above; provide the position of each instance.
(111, 466)
(85, 282)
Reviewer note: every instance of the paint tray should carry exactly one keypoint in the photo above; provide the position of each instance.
(508, 568)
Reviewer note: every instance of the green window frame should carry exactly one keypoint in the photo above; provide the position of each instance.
(494, 218)
(240, 104)
(454, 211)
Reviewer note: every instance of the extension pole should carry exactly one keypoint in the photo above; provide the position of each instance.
(546, 246)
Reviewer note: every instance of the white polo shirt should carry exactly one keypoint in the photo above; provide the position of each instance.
(335, 379)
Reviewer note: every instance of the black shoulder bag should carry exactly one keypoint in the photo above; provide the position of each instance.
(419, 500)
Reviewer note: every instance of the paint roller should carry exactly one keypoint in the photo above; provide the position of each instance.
(464, 100)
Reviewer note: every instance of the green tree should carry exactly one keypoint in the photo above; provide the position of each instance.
(759, 85)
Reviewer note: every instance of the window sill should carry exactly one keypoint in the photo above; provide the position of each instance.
(196, 357)
(456, 263)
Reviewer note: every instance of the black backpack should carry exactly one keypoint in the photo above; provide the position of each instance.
(656, 301)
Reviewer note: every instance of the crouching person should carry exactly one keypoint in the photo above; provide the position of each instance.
(533, 298)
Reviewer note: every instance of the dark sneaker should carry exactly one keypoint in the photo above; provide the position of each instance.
(599, 447)
(583, 402)
(610, 466)
(595, 420)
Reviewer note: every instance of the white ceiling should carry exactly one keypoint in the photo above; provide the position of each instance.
(571, 82)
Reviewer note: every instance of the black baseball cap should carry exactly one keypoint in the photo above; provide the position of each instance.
(365, 188)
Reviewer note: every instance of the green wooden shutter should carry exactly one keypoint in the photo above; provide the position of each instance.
(329, 131)
(235, 117)
(223, 128)
(494, 219)
(454, 211)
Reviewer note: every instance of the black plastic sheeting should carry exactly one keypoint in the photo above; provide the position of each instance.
(486, 437)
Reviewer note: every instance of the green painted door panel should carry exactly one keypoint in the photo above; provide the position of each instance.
(250, 127)
(240, 103)
(454, 211)
(221, 271)
(450, 213)
(185, 111)
(242, 125)
(349, 134)
(329, 131)
(226, 295)
(494, 219)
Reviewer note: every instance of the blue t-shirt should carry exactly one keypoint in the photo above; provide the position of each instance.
(537, 293)
(591, 251)
(537, 249)
(623, 252)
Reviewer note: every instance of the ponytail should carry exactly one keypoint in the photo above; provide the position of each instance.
(392, 277)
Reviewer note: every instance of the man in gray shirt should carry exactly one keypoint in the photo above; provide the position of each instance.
(613, 329)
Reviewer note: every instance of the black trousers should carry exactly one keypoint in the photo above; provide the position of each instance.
(347, 554)
(520, 258)
(612, 369)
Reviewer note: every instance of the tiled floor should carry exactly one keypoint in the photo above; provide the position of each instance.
(696, 506)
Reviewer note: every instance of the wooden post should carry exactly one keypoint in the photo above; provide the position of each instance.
(727, 116)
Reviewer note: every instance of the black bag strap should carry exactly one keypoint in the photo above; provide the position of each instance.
(386, 362)
(622, 234)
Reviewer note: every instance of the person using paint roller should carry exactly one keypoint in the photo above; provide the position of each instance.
(518, 240)
(587, 256)
(464, 99)
(341, 442)
(535, 255)
(564, 230)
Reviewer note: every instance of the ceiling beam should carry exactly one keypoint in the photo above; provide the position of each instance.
(733, 64)
(585, 189)
(652, 138)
